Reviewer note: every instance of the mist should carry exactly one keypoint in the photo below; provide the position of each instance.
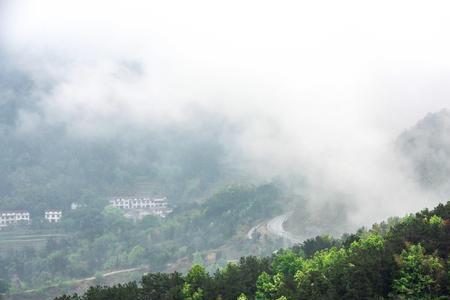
(317, 91)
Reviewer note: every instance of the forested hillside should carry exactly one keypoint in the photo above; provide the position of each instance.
(98, 239)
(400, 259)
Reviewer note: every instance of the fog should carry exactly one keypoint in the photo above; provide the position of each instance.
(319, 90)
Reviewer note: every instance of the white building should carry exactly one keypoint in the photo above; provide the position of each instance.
(151, 206)
(7, 218)
(53, 216)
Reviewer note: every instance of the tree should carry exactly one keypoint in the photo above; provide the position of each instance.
(240, 278)
(367, 268)
(195, 281)
(419, 274)
(311, 246)
(192, 294)
(268, 287)
(161, 286)
(242, 297)
(128, 291)
(286, 262)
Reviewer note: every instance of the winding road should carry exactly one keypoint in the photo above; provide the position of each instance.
(275, 227)
(252, 231)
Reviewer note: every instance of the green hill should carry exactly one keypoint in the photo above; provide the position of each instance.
(400, 259)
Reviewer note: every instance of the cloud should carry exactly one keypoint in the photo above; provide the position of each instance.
(318, 88)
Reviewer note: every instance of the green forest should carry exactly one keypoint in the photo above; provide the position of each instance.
(103, 239)
(405, 258)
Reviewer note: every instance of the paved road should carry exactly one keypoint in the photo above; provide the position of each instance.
(252, 231)
(275, 227)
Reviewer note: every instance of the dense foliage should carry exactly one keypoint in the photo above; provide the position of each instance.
(104, 239)
(401, 259)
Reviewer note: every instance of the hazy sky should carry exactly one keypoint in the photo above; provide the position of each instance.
(386, 61)
(317, 86)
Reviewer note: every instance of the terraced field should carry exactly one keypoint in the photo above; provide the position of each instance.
(15, 239)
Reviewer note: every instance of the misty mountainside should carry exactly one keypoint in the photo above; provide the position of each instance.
(403, 258)
(49, 163)
(424, 152)
(211, 150)
(426, 146)
(43, 165)
(329, 217)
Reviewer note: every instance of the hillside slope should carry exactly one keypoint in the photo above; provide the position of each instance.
(401, 259)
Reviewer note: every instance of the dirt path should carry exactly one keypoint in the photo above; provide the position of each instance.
(82, 280)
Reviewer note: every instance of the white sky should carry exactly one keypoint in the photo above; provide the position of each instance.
(390, 55)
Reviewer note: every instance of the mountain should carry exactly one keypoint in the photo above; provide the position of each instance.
(426, 146)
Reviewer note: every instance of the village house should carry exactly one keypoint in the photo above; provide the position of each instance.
(142, 206)
(7, 218)
(53, 216)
